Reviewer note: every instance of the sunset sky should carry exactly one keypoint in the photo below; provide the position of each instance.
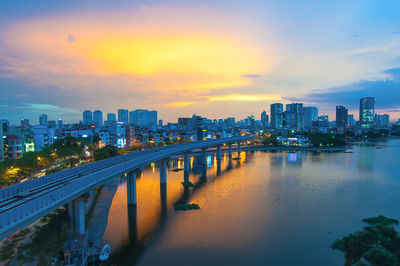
(212, 58)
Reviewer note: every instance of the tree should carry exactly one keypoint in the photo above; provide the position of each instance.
(377, 244)
(106, 152)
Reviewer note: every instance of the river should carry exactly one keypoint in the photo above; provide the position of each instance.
(268, 208)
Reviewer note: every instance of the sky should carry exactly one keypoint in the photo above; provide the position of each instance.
(213, 58)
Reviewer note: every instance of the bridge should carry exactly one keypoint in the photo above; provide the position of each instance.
(24, 203)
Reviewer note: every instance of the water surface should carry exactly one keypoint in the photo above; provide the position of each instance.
(269, 208)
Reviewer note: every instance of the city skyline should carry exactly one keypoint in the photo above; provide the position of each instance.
(62, 65)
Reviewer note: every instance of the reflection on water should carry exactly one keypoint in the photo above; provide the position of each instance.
(131, 228)
(268, 208)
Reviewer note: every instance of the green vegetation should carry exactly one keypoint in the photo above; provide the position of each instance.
(68, 151)
(377, 244)
(326, 140)
(187, 184)
(186, 206)
(270, 139)
(106, 152)
(177, 169)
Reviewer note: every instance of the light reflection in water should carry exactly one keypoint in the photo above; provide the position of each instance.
(131, 228)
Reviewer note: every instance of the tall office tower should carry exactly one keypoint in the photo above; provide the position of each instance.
(367, 111)
(24, 122)
(351, 120)
(153, 118)
(264, 119)
(160, 123)
(341, 116)
(123, 116)
(310, 115)
(52, 124)
(43, 120)
(87, 117)
(111, 117)
(143, 118)
(294, 116)
(276, 115)
(60, 124)
(385, 120)
(98, 118)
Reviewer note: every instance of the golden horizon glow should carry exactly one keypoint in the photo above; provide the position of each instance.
(244, 97)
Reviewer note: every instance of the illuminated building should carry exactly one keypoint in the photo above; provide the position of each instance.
(87, 117)
(276, 115)
(341, 117)
(123, 116)
(98, 118)
(310, 115)
(43, 120)
(367, 112)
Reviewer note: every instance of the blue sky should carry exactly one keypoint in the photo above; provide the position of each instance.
(214, 58)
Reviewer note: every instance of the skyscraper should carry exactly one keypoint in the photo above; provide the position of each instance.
(123, 116)
(87, 117)
(294, 116)
(276, 115)
(310, 115)
(24, 122)
(341, 117)
(264, 119)
(43, 120)
(60, 124)
(98, 118)
(111, 117)
(367, 111)
(153, 118)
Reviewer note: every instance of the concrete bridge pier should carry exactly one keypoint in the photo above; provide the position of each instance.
(163, 171)
(204, 156)
(132, 224)
(186, 162)
(79, 215)
(219, 153)
(239, 148)
(230, 150)
(131, 188)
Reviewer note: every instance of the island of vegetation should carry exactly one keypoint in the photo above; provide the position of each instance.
(186, 206)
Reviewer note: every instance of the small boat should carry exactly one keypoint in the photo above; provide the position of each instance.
(105, 252)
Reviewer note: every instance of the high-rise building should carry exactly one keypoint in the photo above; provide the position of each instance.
(381, 120)
(60, 124)
(87, 117)
(98, 118)
(143, 118)
(367, 111)
(52, 124)
(160, 123)
(385, 120)
(341, 117)
(111, 117)
(264, 119)
(276, 115)
(24, 122)
(310, 115)
(351, 120)
(43, 120)
(153, 118)
(123, 116)
(294, 116)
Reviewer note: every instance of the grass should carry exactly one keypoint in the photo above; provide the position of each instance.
(177, 169)
(186, 206)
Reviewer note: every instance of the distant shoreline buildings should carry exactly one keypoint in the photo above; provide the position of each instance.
(126, 128)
